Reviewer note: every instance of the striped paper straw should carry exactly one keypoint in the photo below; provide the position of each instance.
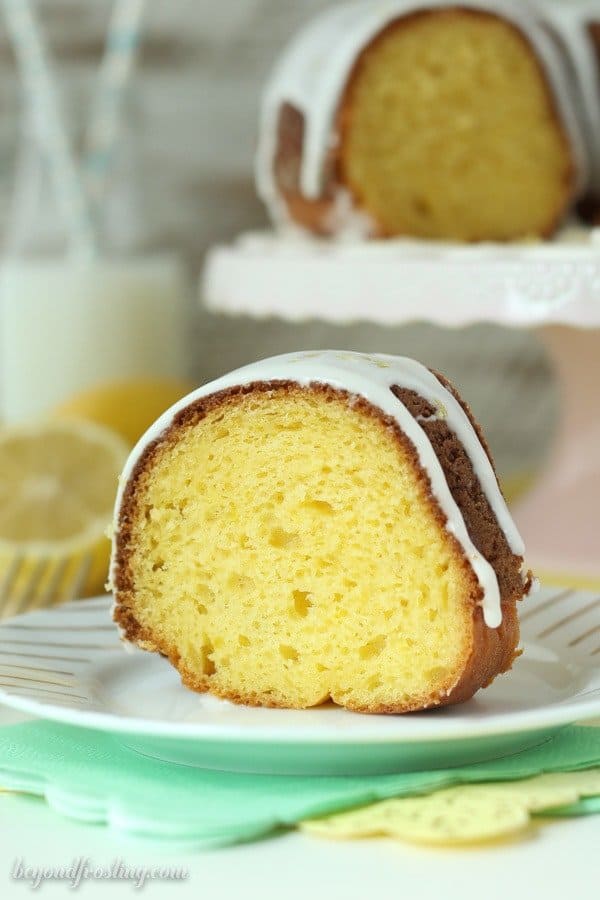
(118, 61)
(43, 98)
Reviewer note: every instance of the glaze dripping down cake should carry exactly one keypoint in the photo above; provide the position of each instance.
(320, 525)
(465, 121)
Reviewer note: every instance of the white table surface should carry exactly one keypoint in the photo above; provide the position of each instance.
(557, 860)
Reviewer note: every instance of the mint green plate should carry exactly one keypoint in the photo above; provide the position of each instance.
(67, 664)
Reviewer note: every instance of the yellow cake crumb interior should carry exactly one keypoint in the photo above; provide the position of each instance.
(284, 551)
(450, 131)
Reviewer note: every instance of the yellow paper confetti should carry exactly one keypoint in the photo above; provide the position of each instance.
(461, 815)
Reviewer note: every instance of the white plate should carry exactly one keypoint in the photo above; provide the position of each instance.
(67, 664)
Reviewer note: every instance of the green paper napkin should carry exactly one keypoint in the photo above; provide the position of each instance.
(90, 776)
(587, 806)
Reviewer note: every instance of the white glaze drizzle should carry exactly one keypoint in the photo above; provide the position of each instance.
(313, 71)
(371, 376)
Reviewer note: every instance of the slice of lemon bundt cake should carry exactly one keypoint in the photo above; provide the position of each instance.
(467, 121)
(320, 525)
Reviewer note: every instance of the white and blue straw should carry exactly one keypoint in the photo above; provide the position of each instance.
(117, 64)
(77, 195)
(44, 103)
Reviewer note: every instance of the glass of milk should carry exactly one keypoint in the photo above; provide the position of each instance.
(70, 321)
(66, 325)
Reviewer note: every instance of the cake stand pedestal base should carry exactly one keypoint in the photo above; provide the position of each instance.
(560, 518)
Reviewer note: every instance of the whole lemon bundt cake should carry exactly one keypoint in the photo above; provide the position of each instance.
(321, 525)
(466, 121)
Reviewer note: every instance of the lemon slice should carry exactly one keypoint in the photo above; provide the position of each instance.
(128, 407)
(57, 485)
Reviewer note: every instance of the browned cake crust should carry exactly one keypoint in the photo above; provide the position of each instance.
(312, 214)
(492, 650)
(593, 30)
(317, 214)
(589, 206)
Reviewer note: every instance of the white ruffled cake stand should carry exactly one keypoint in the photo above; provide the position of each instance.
(552, 287)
